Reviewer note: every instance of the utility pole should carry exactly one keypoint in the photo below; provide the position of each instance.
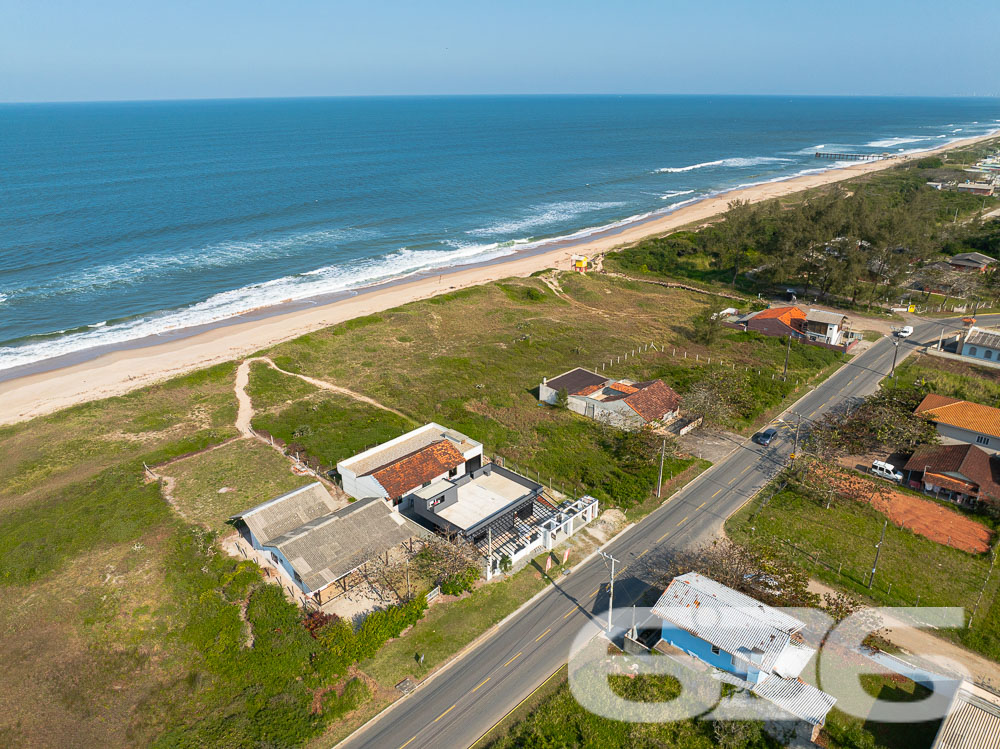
(941, 340)
(878, 549)
(659, 481)
(788, 349)
(798, 425)
(895, 351)
(611, 587)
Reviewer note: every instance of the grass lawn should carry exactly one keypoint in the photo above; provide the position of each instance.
(252, 471)
(957, 379)
(844, 539)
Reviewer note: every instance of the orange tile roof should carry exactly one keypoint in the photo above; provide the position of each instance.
(621, 387)
(416, 469)
(975, 417)
(785, 314)
(653, 400)
(587, 390)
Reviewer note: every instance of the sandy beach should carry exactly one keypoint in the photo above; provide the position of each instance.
(120, 371)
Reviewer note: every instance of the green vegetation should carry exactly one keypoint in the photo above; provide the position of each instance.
(212, 486)
(553, 718)
(840, 242)
(147, 641)
(949, 377)
(837, 545)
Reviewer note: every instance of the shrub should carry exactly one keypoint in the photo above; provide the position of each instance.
(456, 584)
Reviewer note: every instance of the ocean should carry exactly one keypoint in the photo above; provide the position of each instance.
(120, 221)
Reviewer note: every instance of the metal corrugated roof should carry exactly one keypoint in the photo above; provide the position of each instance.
(796, 697)
(973, 723)
(728, 619)
(269, 520)
(823, 316)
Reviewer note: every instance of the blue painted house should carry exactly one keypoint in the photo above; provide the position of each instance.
(981, 344)
(756, 647)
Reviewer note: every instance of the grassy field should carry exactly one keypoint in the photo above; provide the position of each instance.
(844, 539)
(249, 471)
(950, 377)
(121, 620)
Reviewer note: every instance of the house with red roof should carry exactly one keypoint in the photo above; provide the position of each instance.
(776, 321)
(622, 403)
(962, 422)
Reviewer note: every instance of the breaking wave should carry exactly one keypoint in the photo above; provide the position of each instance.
(733, 163)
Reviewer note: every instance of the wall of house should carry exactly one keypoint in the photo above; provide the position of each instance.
(547, 394)
(953, 435)
(981, 352)
(361, 487)
(287, 566)
(702, 650)
(617, 413)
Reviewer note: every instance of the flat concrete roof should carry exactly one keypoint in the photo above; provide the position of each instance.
(481, 498)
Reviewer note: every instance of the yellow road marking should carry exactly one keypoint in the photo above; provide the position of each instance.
(594, 593)
(701, 505)
(408, 743)
(543, 634)
(508, 663)
(444, 713)
(717, 494)
(685, 518)
(746, 469)
(643, 554)
(663, 537)
(479, 685)
(569, 613)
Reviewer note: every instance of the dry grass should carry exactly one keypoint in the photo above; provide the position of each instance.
(252, 471)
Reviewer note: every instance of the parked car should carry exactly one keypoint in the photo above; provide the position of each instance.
(765, 437)
(886, 471)
(905, 332)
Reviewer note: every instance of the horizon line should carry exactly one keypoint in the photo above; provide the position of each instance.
(29, 102)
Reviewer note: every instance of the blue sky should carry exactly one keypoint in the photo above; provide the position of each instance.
(53, 50)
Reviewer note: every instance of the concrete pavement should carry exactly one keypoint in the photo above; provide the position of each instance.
(459, 704)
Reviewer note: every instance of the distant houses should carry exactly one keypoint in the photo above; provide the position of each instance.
(962, 422)
(750, 645)
(974, 261)
(621, 403)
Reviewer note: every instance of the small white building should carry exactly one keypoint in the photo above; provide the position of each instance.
(824, 326)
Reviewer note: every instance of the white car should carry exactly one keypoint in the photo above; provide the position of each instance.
(886, 471)
(905, 332)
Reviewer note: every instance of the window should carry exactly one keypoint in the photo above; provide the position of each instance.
(453, 472)
(972, 351)
(715, 650)
(981, 440)
(987, 354)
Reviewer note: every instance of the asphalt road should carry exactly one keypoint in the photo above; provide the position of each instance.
(456, 706)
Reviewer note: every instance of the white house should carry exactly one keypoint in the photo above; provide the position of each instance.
(621, 403)
(981, 344)
(825, 327)
(962, 422)
(416, 459)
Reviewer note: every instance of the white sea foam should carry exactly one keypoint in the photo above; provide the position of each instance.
(543, 215)
(219, 255)
(957, 130)
(889, 142)
(3, 298)
(674, 194)
(733, 163)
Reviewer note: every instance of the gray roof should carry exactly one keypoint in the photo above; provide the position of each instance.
(269, 520)
(381, 455)
(576, 379)
(726, 618)
(327, 548)
(796, 697)
(972, 723)
(977, 259)
(822, 316)
(986, 338)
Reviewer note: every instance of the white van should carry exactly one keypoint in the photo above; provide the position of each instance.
(886, 471)
(905, 332)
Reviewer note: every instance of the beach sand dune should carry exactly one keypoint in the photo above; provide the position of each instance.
(118, 372)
